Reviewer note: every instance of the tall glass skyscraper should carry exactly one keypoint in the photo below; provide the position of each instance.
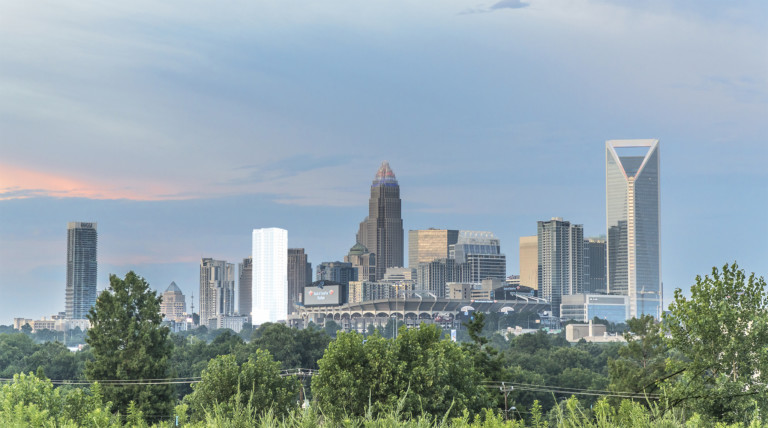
(80, 294)
(269, 289)
(633, 223)
(382, 230)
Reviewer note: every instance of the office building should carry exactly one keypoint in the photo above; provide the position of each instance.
(299, 276)
(339, 272)
(244, 282)
(561, 260)
(529, 261)
(480, 253)
(80, 292)
(362, 260)
(633, 224)
(174, 304)
(217, 289)
(269, 289)
(382, 230)
(595, 266)
(585, 307)
(430, 244)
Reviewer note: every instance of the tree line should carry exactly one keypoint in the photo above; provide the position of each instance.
(706, 363)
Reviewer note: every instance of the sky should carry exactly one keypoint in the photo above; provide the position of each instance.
(181, 126)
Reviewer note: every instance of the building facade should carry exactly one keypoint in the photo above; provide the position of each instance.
(174, 305)
(80, 292)
(269, 287)
(340, 272)
(529, 261)
(633, 224)
(244, 282)
(478, 256)
(595, 266)
(217, 289)
(362, 260)
(585, 307)
(429, 244)
(382, 230)
(561, 260)
(299, 276)
(434, 275)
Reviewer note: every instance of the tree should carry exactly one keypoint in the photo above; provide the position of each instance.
(722, 333)
(128, 343)
(428, 374)
(642, 362)
(256, 386)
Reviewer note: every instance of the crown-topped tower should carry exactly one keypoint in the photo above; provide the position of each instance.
(382, 230)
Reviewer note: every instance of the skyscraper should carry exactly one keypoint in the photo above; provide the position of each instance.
(174, 304)
(299, 275)
(80, 292)
(382, 230)
(561, 260)
(362, 260)
(339, 272)
(433, 276)
(430, 244)
(270, 275)
(478, 256)
(217, 289)
(594, 266)
(529, 261)
(244, 284)
(633, 223)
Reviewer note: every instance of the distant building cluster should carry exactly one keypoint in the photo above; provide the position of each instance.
(613, 277)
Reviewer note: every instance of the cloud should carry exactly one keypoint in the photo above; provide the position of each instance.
(502, 4)
(509, 4)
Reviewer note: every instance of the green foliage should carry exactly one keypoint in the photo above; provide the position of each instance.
(128, 343)
(721, 331)
(20, 354)
(30, 401)
(430, 375)
(642, 362)
(294, 348)
(255, 386)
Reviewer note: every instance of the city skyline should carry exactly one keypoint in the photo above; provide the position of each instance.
(493, 118)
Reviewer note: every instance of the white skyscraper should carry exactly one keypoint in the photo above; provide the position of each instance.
(633, 223)
(270, 275)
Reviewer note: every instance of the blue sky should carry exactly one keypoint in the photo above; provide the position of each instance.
(181, 126)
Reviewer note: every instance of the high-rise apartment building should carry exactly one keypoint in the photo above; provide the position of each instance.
(80, 292)
(529, 261)
(595, 266)
(433, 276)
(430, 244)
(217, 289)
(299, 276)
(174, 304)
(270, 275)
(382, 230)
(362, 260)
(480, 253)
(244, 286)
(633, 223)
(561, 260)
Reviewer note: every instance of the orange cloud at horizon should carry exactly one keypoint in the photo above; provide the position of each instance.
(18, 183)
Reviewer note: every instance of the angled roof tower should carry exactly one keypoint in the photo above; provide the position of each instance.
(633, 223)
(381, 232)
